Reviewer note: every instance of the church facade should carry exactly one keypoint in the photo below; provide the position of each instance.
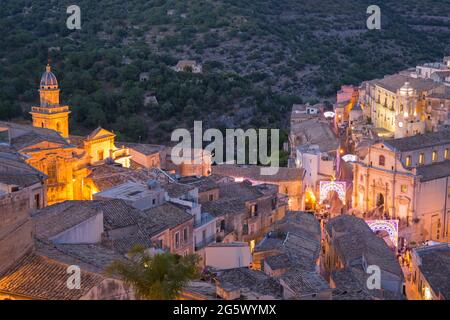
(48, 146)
(407, 179)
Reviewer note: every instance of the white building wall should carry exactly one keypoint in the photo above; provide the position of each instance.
(89, 231)
(228, 257)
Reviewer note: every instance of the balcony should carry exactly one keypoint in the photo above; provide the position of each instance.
(50, 109)
(205, 219)
(200, 245)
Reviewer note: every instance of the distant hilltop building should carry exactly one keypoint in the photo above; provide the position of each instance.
(188, 66)
(411, 102)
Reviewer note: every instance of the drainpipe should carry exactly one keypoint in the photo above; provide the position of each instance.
(445, 209)
(393, 191)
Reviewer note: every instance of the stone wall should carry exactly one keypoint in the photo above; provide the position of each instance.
(16, 229)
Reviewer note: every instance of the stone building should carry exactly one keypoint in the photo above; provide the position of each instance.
(245, 212)
(188, 66)
(398, 104)
(49, 148)
(294, 242)
(406, 179)
(430, 267)
(22, 191)
(288, 180)
(351, 245)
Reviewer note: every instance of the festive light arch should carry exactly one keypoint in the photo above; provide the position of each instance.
(327, 186)
(390, 226)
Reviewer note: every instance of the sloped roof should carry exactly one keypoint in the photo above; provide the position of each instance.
(100, 133)
(420, 141)
(303, 282)
(162, 217)
(436, 267)
(254, 173)
(25, 141)
(353, 240)
(14, 171)
(59, 217)
(396, 81)
(250, 281)
(147, 149)
(39, 277)
(434, 171)
(117, 213)
(223, 206)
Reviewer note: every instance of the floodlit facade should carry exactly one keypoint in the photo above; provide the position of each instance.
(407, 179)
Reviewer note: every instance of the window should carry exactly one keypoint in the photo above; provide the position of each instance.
(204, 235)
(448, 191)
(159, 243)
(100, 155)
(381, 161)
(177, 239)
(408, 161)
(404, 188)
(274, 203)
(185, 235)
(37, 201)
(446, 154)
(51, 172)
(421, 159)
(211, 197)
(254, 210)
(434, 156)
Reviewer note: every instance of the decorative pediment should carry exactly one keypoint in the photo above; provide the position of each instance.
(99, 133)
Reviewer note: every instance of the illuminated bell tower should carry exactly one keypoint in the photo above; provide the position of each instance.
(50, 114)
(408, 122)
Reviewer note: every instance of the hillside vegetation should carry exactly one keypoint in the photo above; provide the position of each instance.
(258, 56)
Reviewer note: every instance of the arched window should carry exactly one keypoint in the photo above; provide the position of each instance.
(381, 161)
(42, 124)
(58, 127)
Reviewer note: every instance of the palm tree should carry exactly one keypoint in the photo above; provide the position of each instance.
(161, 276)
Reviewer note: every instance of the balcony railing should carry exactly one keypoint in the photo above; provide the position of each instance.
(200, 245)
(206, 218)
(55, 109)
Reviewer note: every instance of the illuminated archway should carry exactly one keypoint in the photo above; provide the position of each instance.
(327, 186)
(390, 226)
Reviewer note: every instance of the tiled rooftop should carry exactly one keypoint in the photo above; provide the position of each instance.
(396, 81)
(254, 173)
(354, 240)
(250, 281)
(304, 282)
(436, 267)
(420, 141)
(57, 218)
(39, 277)
(164, 216)
(146, 149)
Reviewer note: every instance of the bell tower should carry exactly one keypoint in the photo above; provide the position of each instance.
(50, 114)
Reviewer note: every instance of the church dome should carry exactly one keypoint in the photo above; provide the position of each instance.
(48, 79)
